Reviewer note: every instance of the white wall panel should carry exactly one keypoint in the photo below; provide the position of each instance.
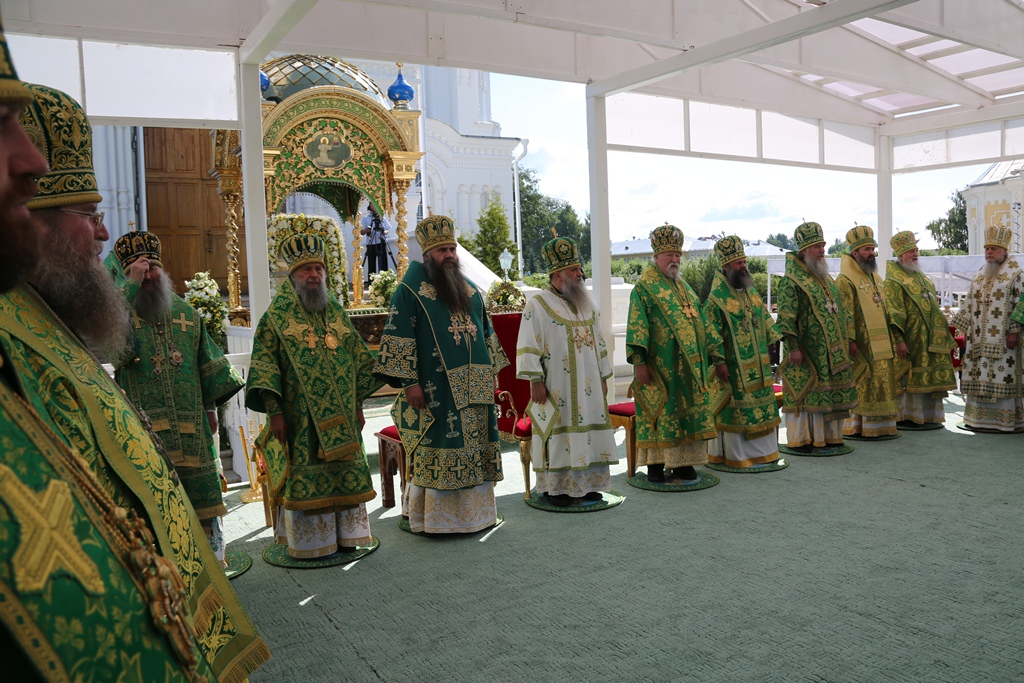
(790, 138)
(646, 121)
(723, 130)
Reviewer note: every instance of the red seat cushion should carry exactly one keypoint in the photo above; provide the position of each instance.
(776, 388)
(627, 409)
(524, 427)
(391, 431)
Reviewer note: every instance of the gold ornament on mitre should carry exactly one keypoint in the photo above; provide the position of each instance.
(998, 236)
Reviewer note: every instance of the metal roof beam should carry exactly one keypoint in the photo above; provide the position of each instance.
(955, 119)
(274, 26)
(994, 25)
(805, 23)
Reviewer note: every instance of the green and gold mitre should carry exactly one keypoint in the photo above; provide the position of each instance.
(11, 87)
(58, 127)
(666, 238)
(132, 246)
(902, 242)
(807, 235)
(729, 249)
(559, 254)
(303, 248)
(435, 231)
(860, 236)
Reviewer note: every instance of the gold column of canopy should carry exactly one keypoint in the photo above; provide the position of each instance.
(401, 187)
(357, 261)
(227, 170)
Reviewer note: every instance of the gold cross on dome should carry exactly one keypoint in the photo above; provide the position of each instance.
(185, 324)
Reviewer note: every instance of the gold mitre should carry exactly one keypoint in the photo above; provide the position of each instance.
(559, 254)
(303, 248)
(861, 236)
(998, 236)
(132, 246)
(58, 127)
(902, 242)
(666, 238)
(11, 87)
(808, 234)
(435, 231)
(729, 249)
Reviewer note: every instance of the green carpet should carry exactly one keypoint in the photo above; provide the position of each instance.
(818, 452)
(238, 563)
(705, 480)
(277, 555)
(779, 464)
(609, 499)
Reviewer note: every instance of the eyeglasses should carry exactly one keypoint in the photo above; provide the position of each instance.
(95, 218)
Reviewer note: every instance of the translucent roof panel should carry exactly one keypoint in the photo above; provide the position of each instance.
(972, 60)
(924, 50)
(1001, 81)
(890, 33)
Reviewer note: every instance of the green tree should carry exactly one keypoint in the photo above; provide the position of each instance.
(540, 213)
(493, 237)
(951, 232)
(699, 274)
(838, 248)
(782, 241)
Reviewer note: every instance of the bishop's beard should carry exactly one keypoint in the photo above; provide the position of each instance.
(576, 293)
(868, 264)
(452, 288)
(818, 267)
(739, 279)
(82, 294)
(154, 303)
(312, 299)
(991, 269)
(913, 266)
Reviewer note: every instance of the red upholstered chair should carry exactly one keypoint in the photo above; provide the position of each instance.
(392, 462)
(777, 388)
(624, 415)
(513, 395)
(961, 343)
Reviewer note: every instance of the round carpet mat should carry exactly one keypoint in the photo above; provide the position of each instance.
(779, 464)
(277, 555)
(883, 437)
(827, 452)
(705, 480)
(403, 524)
(609, 499)
(911, 427)
(238, 563)
(981, 430)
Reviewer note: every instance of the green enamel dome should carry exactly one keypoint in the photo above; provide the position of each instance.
(293, 73)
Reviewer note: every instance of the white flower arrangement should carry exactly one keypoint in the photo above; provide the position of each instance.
(203, 294)
(281, 226)
(382, 287)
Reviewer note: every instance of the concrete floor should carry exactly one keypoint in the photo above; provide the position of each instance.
(898, 562)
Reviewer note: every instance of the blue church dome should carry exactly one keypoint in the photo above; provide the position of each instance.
(400, 92)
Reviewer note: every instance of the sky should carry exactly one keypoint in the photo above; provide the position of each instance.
(704, 197)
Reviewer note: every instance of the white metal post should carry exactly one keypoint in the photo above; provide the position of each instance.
(883, 147)
(600, 238)
(254, 190)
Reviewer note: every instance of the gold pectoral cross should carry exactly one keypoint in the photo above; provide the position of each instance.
(462, 323)
(310, 337)
(157, 359)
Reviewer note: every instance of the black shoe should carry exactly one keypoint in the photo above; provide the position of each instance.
(685, 473)
(347, 549)
(593, 495)
(656, 474)
(561, 501)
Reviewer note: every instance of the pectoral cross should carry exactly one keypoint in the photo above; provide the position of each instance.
(310, 338)
(185, 324)
(136, 321)
(460, 324)
(157, 359)
(831, 306)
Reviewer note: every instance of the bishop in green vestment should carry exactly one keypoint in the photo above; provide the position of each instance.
(916, 319)
(310, 373)
(439, 348)
(747, 424)
(672, 349)
(818, 387)
(176, 374)
(44, 325)
(867, 324)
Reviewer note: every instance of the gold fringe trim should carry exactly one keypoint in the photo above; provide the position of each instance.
(752, 431)
(205, 514)
(245, 663)
(742, 464)
(209, 602)
(323, 503)
(688, 439)
(313, 554)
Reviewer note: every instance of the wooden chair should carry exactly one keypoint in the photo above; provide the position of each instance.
(392, 462)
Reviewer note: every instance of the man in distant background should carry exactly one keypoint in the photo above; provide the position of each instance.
(375, 229)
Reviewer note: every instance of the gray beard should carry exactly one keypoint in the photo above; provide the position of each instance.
(913, 266)
(79, 290)
(991, 269)
(739, 279)
(451, 286)
(818, 267)
(154, 304)
(575, 292)
(314, 300)
(869, 264)
(673, 272)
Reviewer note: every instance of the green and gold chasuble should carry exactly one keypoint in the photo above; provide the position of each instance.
(668, 332)
(813, 321)
(71, 392)
(453, 443)
(867, 323)
(176, 373)
(73, 605)
(747, 329)
(316, 370)
(916, 318)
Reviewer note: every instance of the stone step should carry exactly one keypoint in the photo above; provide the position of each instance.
(226, 461)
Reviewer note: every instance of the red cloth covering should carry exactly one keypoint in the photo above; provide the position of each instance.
(961, 342)
(627, 409)
(391, 431)
(506, 326)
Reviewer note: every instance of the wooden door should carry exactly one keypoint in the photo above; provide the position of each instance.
(183, 207)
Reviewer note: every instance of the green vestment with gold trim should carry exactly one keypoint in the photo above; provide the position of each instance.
(453, 443)
(812, 320)
(747, 329)
(668, 332)
(176, 373)
(916, 318)
(319, 391)
(91, 414)
(867, 323)
(73, 606)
